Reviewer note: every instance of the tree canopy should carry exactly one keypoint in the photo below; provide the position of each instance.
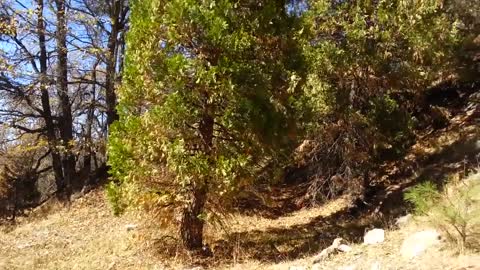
(215, 93)
(186, 106)
(208, 98)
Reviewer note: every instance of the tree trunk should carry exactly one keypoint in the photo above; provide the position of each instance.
(87, 159)
(66, 119)
(45, 99)
(191, 228)
(116, 13)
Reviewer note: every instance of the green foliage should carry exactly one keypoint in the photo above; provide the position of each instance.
(369, 62)
(393, 122)
(423, 197)
(7, 26)
(114, 197)
(210, 97)
(217, 92)
(455, 211)
(364, 49)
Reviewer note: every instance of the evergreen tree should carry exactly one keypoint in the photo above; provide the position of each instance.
(370, 63)
(208, 97)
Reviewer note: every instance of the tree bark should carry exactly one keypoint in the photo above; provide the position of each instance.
(45, 98)
(117, 9)
(87, 160)
(66, 119)
(191, 228)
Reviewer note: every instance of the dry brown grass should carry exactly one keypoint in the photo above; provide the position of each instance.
(386, 255)
(302, 217)
(87, 236)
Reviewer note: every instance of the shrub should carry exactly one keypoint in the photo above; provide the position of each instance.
(369, 62)
(455, 211)
(114, 197)
(21, 166)
(423, 197)
(394, 125)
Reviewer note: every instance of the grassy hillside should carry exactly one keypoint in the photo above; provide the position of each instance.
(87, 236)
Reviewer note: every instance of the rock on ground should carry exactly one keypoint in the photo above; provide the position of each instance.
(333, 248)
(401, 221)
(417, 243)
(374, 236)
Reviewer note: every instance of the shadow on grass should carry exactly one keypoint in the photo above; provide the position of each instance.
(272, 202)
(379, 209)
(280, 244)
(458, 157)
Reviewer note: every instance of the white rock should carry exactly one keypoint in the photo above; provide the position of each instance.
(344, 248)
(25, 245)
(325, 253)
(376, 266)
(374, 236)
(403, 220)
(316, 266)
(417, 243)
(337, 242)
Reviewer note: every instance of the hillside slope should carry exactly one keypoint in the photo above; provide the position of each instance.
(87, 236)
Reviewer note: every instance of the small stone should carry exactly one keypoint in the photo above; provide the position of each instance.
(332, 249)
(374, 236)
(337, 242)
(344, 248)
(403, 220)
(417, 243)
(25, 245)
(376, 266)
(130, 227)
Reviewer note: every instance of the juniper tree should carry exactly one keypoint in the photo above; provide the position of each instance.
(369, 63)
(208, 100)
